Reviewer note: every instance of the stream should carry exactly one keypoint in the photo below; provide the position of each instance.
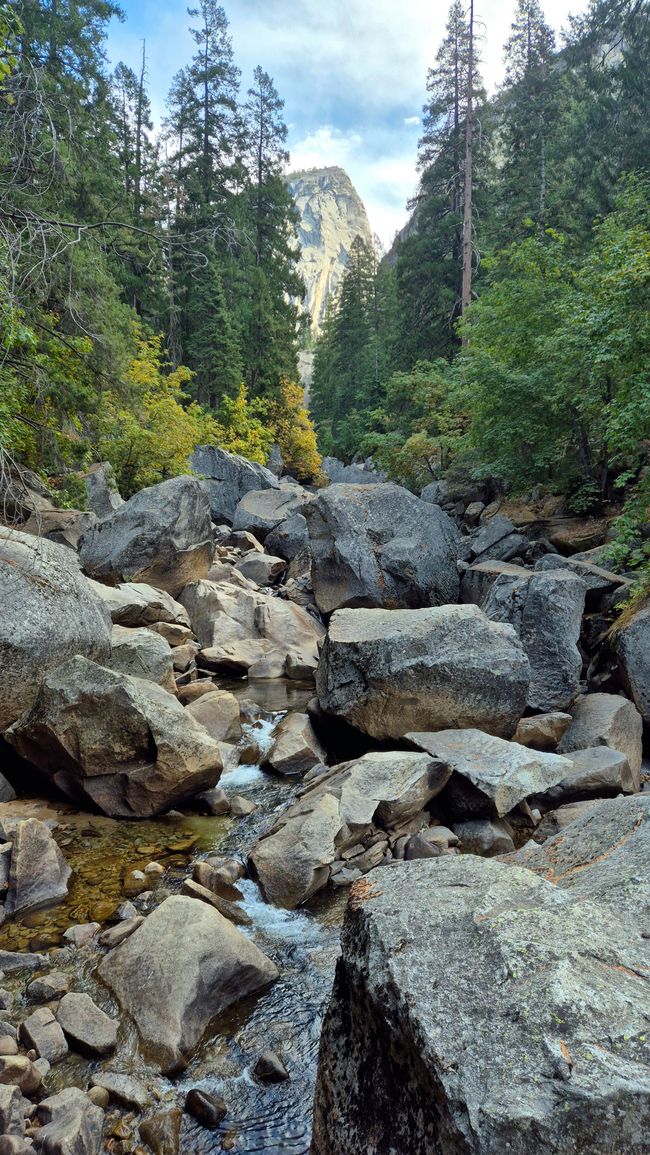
(286, 1018)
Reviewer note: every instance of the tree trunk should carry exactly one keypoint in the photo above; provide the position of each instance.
(466, 295)
(138, 134)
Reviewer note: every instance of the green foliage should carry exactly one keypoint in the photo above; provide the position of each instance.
(295, 433)
(242, 427)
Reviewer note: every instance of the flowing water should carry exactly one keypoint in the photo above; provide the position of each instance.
(304, 944)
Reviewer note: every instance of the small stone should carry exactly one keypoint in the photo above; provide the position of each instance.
(240, 807)
(48, 987)
(8, 1046)
(8, 1030)
(117, 934)
(124, 1089)
(154, 869)
(269, 1068)
(208, 1110)
(15, 1145)
(485, 837)
(11, 1111)
(162, 1132)
(82, 934)
(87, 1028)
(125, 911)
(20, 1071)
(216, 879)
(227, 909)
(99, 1096)
(419, 847)
(42, 1032)
(135, 882)
(215, 801)
(6, 999)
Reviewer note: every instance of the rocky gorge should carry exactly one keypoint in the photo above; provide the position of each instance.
(237, 713)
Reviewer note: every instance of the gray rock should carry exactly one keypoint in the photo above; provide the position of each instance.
(478, 579)
(64, 526)
(597, 580)
(49, 613)
(42, 1033)
(103, 495)
(138, 604)
(496, 538)
(39, 873)
(543, 731)
(143, 654)
(605, 720)
(87, 1028)
(124, 1089)
(228, 478)
(72, 1124)
(229, 910)
(218, 712)
(48, 987)
(295, 746)
(260, 511)
(215, 802)
(117, 934)
(200, 974)
(7, 792)
(484, 836)
(490, 776)
(80, 934)
(289, 538)
(269, 1068)
(348, 804)
(339, 473)
(435, 492)
(477, 1008)
(546, 611)
(162, 536)
(261, 568)
(12, 1119)
(19, 1071)
(597, 772)
(633, 652)
(555, 821)
(16, 960)
(124, 744)
(379, 546)
(387, 672)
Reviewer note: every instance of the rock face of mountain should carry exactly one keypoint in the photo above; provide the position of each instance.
(332, 214)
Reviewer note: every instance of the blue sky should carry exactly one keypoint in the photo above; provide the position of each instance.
(351, 72)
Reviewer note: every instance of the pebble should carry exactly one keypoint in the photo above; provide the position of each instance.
(135, 882)
(208, 1110)
(82, 934)
(125, 911)
(269, 1068)
(154, 868)
(99, 1096)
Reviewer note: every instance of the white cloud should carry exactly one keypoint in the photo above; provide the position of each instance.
(409, 120)
(325, 147)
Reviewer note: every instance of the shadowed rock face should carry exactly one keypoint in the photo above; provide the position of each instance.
(478, 1009)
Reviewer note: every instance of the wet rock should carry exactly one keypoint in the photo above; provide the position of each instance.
(241, 807)
(103, 495)
(408, 1060)
(295, 746)
(478, 579)
(229, 910)
(218, 712)
(261, 568)
(338, 811)
(72, 1124)
(208, 1110)
(15, 960)
(138, 604)
(49, 613)
(490, 777)
(546, 611)
(387, 672)
(48, 987)
(261, 511)
(228, 478)
(597, 772)
(201, 974)
(633, 651)
(117, 934)
(542, 731)
(19, 1071)
(605, 720)
(162, 1132)
(485, 837)
(216, 879)
(379, 546)
(215, 802)
(123, 1089)
(269, 1068)
(143, 654)
(12, 1119)
(289, 538)
(126, 910)
(38, 873)
(135, 882)
(42, 1032)
(161, 536)
(99, 1096)
(124, 744)
(81, 934)
(87, 1028)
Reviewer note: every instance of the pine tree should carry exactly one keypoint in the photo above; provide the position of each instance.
(211, 346)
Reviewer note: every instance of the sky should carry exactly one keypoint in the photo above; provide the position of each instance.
(352, 74)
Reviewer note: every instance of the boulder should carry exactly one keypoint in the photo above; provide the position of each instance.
(19, 1071)
(289, 538)
(246, 631)
(161, 1132)
(379, 546)
(144, 654)
(261, 568)
(484, 836)
(86, 1026)
(121, 743)
(218, 712)
(228, 478)
(546, 611)
(137, 604)
(435, 493)
(490, 776)
(496, 538)
(41, 1032)
(260, 511)
(390, 671)
(64, 526)
(605, 720)
(632, 646)
(352, 807)
(49, 614)
(295, 746)
(71, 1124)
(173, 983)
(39, 873)
(123, 1089)
(542, 731)
(12, 1121)
(478, 579)
(161, 536)
(480, 1009)
(598, 772)
(103, 495)
(598, 581)
(7, 794)
(356, 474)
(555, 820)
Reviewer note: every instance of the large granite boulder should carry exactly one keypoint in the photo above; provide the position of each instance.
(496, 538)
(289, 538)
(605, 720)
(490, 776)
(121, 743)
(598, 581)
(49, 614)
(546, 611)
(478, 579)
(633, 653)
(38, 873)
(227, 478)
(71, 1124)
(144, 654)
(295, 747)
(181, 968)
(390, 671)
(248, 631)
(379, 546)
(478, 1008)
(65, 526)
(161, 536)
(261, 511)
(338, 472)
(345, 817)
(103, 495)
(137, 604)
